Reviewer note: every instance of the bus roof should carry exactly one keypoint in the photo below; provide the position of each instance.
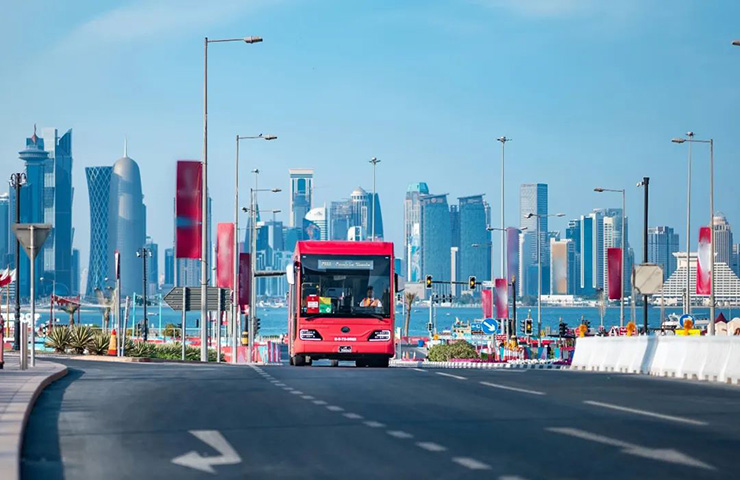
(308, 247)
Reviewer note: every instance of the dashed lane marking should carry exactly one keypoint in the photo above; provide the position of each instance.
(450, 375)
(513, 389)
(307, 397)
(431, 446)
(319, 402)
(399, 434)
(646, 413)
(471, 463)
(334, 408)
(374, 424)
(353, 416)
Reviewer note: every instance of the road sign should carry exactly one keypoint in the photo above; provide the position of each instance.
(174, 299)
(647, 278)
(32, 235)
(489, 326)
(685, 317)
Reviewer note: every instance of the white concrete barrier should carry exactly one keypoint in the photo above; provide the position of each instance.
(714, 358)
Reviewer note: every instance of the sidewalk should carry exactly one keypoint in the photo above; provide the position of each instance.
(18, 392)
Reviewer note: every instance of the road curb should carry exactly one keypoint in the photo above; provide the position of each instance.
(14, 418)
(477, 365)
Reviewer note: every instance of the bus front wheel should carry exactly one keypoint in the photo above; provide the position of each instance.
(298, 360)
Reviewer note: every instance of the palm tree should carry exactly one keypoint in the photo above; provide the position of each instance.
(409, 298)
(71, 308)
(106, 305)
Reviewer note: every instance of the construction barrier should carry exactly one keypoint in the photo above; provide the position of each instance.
(715, 358)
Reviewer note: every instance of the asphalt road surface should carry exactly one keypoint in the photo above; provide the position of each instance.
(120, 420)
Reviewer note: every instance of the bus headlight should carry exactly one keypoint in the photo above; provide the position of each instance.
(309, 334)
(380, 336)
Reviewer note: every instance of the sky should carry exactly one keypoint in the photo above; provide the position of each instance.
(591, 92)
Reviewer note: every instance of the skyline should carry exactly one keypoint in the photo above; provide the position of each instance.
(425, 112)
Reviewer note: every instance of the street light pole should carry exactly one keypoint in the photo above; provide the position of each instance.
(375, 162)
(17, 180)
(144, 252)
(235, 293)
(503, 141)
(205, 241)
(645, 183)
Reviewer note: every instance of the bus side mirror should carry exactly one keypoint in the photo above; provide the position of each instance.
(399, 282)
(290, 273)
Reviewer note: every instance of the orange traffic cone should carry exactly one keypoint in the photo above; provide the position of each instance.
(112, 345)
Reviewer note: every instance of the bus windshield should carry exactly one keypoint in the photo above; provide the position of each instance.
(346, 286)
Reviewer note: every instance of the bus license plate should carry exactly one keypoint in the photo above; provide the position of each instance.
(345, 349)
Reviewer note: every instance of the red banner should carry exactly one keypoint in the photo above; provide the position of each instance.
(703, 259)
(614, 272)
(502, 298)
(244, 284)
(225, 255)
(188, 209)
(486, 299)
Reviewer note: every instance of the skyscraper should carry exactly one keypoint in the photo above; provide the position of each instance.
(126, 220)
(58, 196)
(169, 267)
(301, 194)
(587, 265)
(559, 268)
(412, 230)
(315, 224)
(533, 199)
(98, 189)
(573, 234)
(662, 244)
(435, 239)
(474, 260)
(32, 206)
(360, 201)
(340, 219)
(722, 239)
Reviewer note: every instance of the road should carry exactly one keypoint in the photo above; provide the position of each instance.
(120, 420)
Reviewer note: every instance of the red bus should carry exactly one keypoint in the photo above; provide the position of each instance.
(341, 303)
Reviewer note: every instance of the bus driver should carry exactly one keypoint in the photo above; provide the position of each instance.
(370, 300)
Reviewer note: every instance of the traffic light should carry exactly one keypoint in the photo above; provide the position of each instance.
(523, 326)
(529, 326)
(256, 325)
(429, 282)
(471, 282)
(562, 329)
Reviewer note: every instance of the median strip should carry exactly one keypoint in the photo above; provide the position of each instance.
(646, 413)
(513, 389)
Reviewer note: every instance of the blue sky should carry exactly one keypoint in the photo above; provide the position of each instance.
(590, 91)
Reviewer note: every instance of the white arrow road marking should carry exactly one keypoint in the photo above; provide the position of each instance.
(215, 440)
(659, 454)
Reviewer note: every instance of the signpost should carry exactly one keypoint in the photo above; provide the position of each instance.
(218, 299)
(32, 237)
(489, 326)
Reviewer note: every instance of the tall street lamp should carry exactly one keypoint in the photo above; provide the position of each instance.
(687, 304)
(711, 222)
(503, 141)
(539, 268)
(235, 284)
(253, 264)
(646, 184)
(205, 241)
(17, 180)
(375, 162)
(622, 244)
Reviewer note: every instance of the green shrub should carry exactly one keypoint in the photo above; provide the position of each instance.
(58, 339)
(140, 349)
(171, 330)
(80, 338)
(99, 344)
(456, 350)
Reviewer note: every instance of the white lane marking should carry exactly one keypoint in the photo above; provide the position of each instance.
(660, 454)
(214, 439)
(307, 397)
(279, 384)
(288, 389)
(450, 375)
(420, 370)
(646, 413)
(399, 434)
(353, 416)
(374, 424)
(471, 463)
(297, 392)
(431, 446)
(334, 408)
(513, 389)
(319, 402)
